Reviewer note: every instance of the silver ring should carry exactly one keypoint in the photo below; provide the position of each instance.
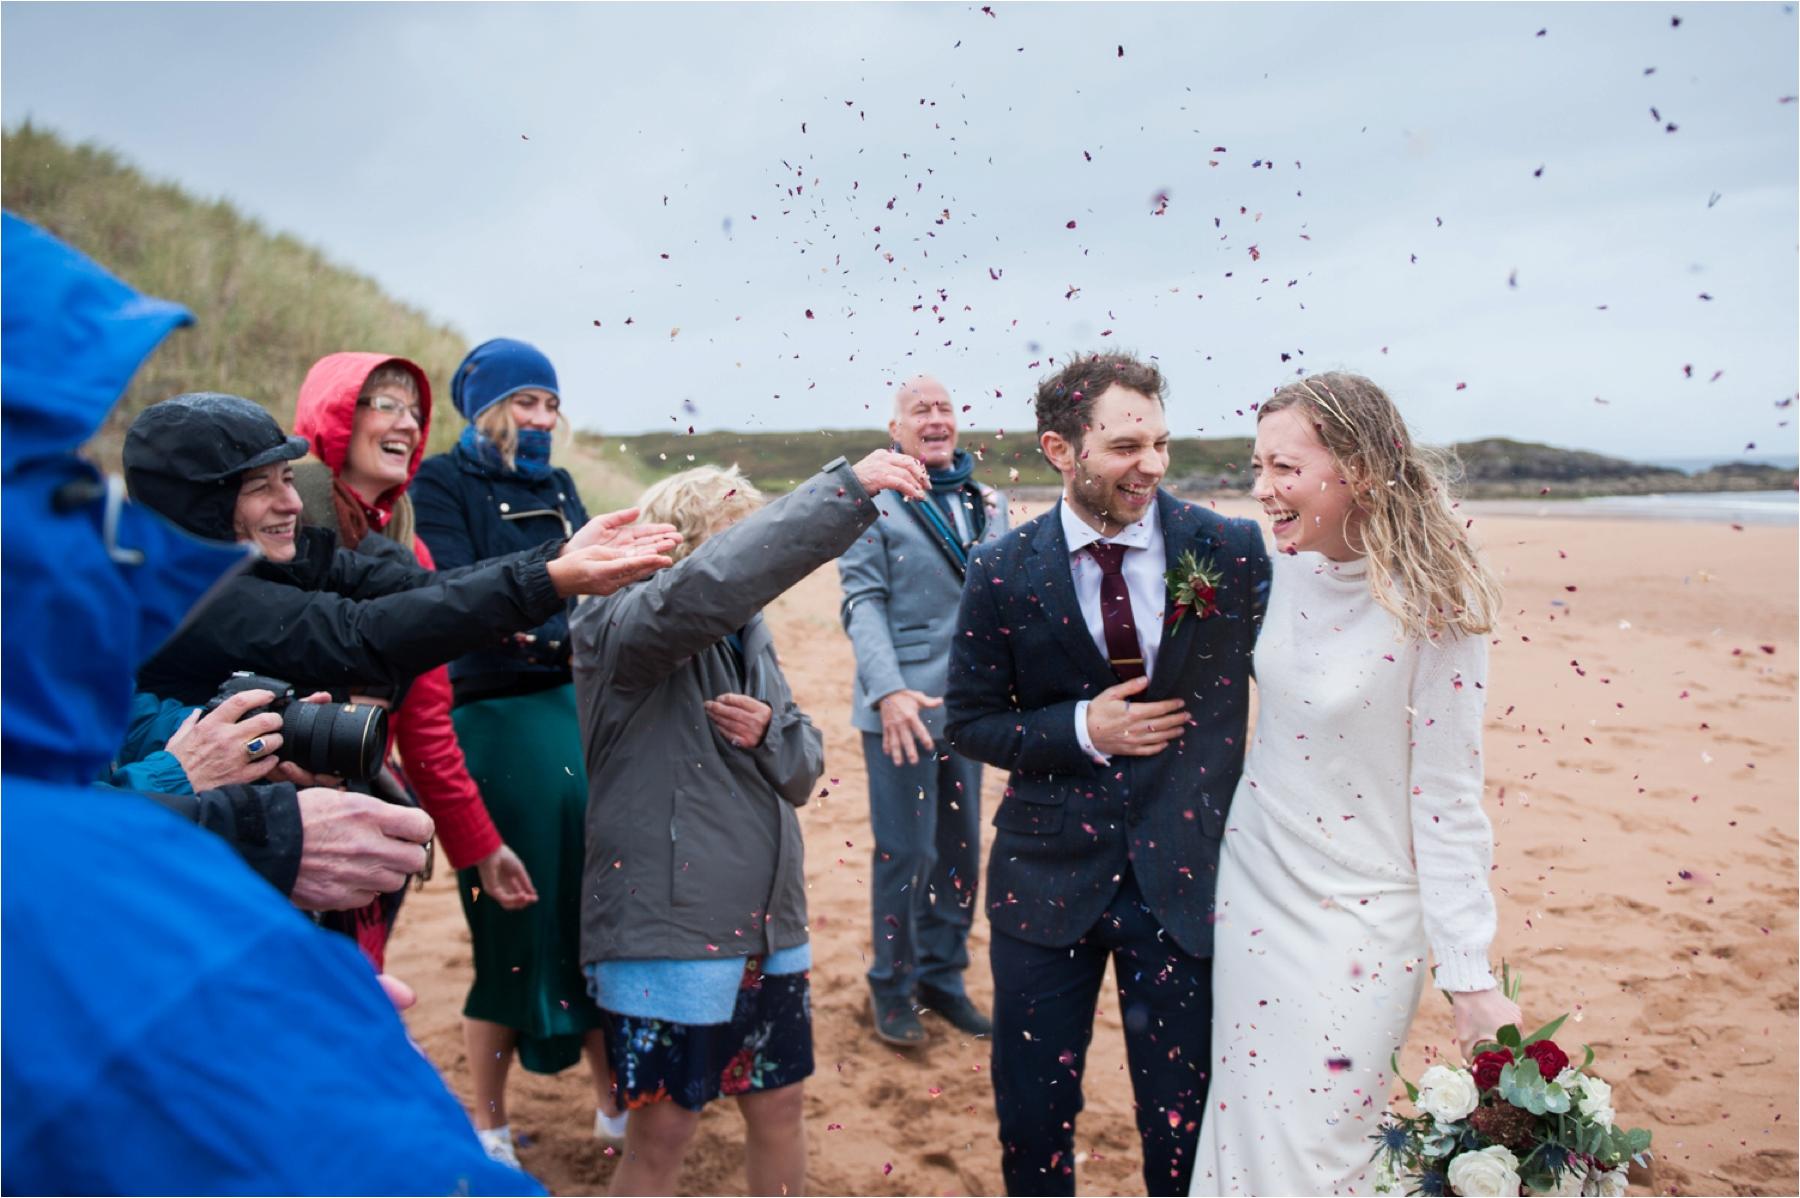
(253, 747)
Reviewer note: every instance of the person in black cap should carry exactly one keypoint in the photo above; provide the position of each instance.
(324, 618)
(320, 616)
(218, 466)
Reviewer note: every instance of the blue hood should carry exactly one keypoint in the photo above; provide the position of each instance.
(172, 1025)
(90, 585)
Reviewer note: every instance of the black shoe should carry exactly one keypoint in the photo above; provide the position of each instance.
(957, 1010)
(896, 1022)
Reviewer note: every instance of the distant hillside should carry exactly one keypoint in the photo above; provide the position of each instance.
(267, 304)
(777, 461)
(1491, 468)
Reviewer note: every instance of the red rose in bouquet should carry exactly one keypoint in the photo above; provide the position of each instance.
(1487, 1067)
(1550, 1059)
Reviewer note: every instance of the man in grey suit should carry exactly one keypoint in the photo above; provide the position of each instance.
(902, 583)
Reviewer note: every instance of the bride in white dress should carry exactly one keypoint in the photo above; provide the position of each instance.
(1356, 847)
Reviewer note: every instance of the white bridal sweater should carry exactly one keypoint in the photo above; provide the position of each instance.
(1368, 748)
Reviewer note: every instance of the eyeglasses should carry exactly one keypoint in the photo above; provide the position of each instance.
(390, 407)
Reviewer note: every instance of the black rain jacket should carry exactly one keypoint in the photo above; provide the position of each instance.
(341, 621)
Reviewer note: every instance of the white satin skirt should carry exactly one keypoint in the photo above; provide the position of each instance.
(1317, 970)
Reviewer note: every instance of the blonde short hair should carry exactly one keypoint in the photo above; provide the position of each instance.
(699, 503)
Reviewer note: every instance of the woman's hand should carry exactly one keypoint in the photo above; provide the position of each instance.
(603, 569)
(740, 719)
(1479, 1015)
(616, 530)
(225, 747)
(505, 879)
(885, 470)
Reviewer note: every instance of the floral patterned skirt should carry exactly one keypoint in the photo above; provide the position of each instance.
(767, 1045)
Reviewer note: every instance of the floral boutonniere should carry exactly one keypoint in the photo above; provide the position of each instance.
(1193, 585)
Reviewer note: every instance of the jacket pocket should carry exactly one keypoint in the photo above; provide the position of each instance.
(912, 652)
(1019, 814)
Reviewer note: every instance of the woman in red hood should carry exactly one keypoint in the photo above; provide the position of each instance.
(366, 417)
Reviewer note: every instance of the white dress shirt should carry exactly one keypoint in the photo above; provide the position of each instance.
(1145, 567)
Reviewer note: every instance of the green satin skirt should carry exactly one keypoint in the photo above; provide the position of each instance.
(524, 752)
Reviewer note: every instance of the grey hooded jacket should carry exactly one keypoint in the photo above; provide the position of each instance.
(693, 844)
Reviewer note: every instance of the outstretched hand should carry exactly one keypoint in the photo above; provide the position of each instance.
(603, 569)
(1117, 724)
(885, 470)
(620, 531)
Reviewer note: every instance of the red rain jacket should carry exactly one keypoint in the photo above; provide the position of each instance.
(421, 728)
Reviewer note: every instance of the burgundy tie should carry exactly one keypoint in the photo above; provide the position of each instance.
(1122, 648)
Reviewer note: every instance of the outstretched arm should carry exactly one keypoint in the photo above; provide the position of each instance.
(735, 574)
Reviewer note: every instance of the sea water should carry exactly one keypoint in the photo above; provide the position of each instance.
(1735, 507)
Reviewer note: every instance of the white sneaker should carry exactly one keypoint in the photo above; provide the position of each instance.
(498, 1144)
(610, 1129)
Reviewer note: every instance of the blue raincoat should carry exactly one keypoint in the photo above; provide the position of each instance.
(170, 1024)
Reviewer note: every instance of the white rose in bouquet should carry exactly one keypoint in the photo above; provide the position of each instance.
(1595, 1100)
(1448, 1095)
(1490, 1173)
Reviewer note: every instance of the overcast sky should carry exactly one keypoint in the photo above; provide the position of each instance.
(1516, 232)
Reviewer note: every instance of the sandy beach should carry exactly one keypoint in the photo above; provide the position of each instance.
(1641, 779)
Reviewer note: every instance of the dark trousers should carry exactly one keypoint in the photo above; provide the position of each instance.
(927, 859)
(1044, 1017)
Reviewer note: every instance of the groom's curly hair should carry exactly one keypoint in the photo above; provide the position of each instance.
(1065, 400)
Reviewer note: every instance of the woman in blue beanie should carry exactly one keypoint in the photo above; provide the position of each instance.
(514, 711)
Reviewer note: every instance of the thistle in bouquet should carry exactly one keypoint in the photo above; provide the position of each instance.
(1520, 1119)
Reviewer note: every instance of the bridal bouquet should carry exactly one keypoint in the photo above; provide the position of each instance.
(1520, 1120)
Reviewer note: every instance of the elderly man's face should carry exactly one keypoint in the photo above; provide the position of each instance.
(924, 423)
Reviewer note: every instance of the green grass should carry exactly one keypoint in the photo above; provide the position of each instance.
(777, 461)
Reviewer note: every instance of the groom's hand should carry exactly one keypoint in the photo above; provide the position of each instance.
(1117, 724)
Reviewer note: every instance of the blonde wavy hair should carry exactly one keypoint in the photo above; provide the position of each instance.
(499, 427)
(699, 503)
(1422, 567)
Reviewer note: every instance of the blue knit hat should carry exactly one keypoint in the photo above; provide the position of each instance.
(496, 369)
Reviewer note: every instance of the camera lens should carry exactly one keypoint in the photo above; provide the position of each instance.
(346, 739)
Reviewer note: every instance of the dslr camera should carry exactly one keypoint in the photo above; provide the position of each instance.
(346, 739)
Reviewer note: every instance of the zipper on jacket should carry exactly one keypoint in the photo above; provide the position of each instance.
(568, 529)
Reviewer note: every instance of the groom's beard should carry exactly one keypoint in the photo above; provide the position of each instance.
(1097, 501)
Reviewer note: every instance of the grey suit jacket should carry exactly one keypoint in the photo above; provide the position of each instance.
(900, 601)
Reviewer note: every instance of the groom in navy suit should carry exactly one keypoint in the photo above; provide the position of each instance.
(1102, 655)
